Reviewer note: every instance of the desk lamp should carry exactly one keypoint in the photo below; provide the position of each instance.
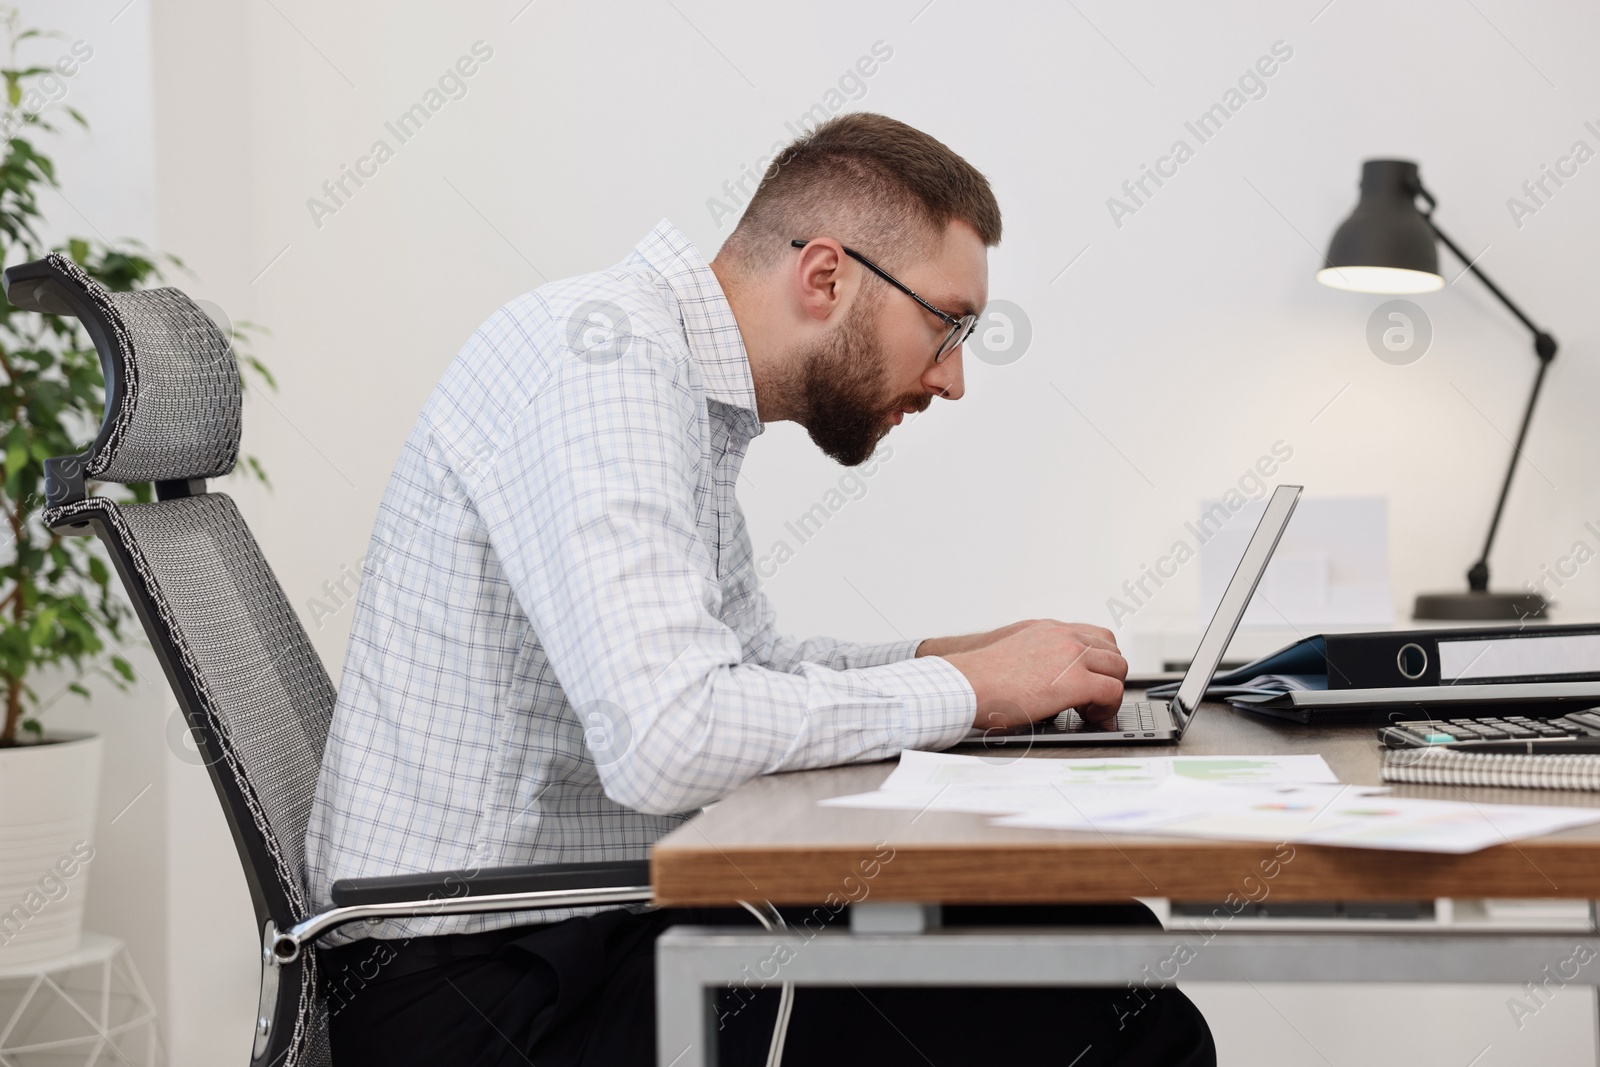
(1387, 246)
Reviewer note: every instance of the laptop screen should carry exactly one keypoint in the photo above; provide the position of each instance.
(1234, 600)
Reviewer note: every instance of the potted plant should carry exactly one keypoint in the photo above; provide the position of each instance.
(61, 616)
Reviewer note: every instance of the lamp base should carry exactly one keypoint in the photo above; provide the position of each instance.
(1480, 607)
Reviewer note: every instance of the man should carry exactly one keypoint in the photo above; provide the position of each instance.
(560, 650)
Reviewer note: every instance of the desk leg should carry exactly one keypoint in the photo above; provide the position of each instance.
(686, 1024)
(1594, 927)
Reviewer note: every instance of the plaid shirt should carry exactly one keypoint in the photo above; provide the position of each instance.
(559, 648)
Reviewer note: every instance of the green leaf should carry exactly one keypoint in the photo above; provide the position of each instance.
(43, 626)
(59, 605)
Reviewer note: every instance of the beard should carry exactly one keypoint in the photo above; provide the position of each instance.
(845, 391)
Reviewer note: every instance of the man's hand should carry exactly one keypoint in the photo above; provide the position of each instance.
(1041, 668)
(943, 646)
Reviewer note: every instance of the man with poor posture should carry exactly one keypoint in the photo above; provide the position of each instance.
(560, 650)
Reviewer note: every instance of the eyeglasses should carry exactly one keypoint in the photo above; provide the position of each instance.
(960, 328)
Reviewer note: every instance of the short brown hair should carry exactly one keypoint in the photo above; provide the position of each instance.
(867, 181)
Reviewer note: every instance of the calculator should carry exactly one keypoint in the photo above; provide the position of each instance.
(1513, 729)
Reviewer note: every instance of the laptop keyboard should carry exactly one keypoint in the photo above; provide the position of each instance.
(1132, 717)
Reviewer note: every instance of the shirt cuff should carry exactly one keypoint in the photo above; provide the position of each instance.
(940, 705)
(887, 652)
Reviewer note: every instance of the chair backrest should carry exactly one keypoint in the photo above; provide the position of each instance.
(251, 686)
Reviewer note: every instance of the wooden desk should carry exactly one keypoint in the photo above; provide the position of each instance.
(770, 841)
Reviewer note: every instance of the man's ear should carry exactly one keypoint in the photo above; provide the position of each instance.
(820, 277)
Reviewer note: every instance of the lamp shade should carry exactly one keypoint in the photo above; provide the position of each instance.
(1385, 246)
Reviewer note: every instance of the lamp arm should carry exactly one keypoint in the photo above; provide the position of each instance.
(1482, 277)
(1478, 573)
(1544, 346)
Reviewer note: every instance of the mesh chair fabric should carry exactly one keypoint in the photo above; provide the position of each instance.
(263, 692)
(179, 413)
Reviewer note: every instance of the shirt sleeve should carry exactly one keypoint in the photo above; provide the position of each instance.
(590, 506)
(786, 653)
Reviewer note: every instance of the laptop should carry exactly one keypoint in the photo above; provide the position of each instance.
(1153, 722)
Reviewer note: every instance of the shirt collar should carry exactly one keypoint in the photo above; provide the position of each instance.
(708, 323)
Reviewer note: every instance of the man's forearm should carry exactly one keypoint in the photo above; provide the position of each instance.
(944, 646)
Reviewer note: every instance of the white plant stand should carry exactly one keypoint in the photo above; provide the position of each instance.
(88, 1007)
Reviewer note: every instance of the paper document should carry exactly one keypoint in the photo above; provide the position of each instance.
(948, 768)
(999, 784)
(1310, 814)
(1236, 798)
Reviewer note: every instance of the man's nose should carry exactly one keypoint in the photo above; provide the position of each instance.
(945, 378)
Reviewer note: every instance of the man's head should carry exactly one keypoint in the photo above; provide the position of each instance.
(833, 345)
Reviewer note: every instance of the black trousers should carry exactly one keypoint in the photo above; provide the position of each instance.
(582, 992)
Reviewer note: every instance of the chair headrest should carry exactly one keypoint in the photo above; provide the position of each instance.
(172, 382)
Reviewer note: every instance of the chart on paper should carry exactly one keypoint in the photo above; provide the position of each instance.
(941, 781)
(943, 768)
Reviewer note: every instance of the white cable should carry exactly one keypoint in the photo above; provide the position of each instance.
(773, 921)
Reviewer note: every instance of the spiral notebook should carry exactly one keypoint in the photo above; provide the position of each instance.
(1443, 766)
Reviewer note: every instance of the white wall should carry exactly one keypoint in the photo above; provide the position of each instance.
(1190, 339)
(107, 176)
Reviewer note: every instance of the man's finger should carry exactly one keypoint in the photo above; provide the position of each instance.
(1097, 638)
(1102, 701)
(1100, 715)
(1093, 661)
(1106, 692)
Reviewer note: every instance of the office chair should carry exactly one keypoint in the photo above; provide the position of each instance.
(252, 689)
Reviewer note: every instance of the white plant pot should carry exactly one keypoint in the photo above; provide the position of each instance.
(48, 794)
